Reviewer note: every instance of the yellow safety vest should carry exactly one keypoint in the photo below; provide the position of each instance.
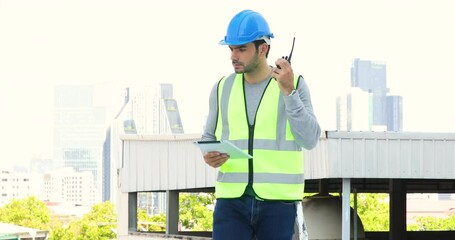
(277, 172)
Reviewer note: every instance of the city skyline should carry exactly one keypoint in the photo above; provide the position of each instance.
(117, 44)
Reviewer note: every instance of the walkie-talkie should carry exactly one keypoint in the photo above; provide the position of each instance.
(288, 58)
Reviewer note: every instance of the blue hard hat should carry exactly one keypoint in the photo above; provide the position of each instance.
(246, 26)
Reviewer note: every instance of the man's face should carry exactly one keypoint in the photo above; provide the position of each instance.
(244, 58)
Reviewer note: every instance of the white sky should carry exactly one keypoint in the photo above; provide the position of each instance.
(121, 43)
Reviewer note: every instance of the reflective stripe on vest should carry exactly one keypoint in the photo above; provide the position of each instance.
(277, 159)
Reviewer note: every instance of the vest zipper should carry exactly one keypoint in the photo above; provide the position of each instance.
(250, 151)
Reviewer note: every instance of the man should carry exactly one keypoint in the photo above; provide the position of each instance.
(267, 112)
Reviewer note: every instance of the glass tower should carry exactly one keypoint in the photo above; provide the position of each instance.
(79, 130)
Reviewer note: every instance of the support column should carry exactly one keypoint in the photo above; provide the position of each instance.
(397, 214)
(172, 212)
(132, 211)
(346, 210)
(324, 186)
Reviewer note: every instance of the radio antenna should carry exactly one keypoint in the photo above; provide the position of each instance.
(292, 49)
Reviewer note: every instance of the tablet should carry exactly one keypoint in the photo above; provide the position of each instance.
(223, 146)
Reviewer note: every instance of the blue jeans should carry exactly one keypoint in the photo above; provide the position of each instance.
(247, 218)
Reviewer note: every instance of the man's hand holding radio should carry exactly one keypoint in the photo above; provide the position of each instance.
(284, 76)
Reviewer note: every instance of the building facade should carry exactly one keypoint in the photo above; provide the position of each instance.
(69, 186)
(19, 185)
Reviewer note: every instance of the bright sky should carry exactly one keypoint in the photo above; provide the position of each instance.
(120, 43)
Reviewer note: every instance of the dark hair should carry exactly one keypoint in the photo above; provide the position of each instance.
(258, 43)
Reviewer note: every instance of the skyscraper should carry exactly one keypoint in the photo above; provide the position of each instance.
(394, 113)
(154, 110)
(168, 111)
(147, 110)
(354, 111)
(384, 112)
(109, 146)
(371, 77)
(79, 130)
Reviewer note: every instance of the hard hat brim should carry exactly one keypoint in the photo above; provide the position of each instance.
(267, 39)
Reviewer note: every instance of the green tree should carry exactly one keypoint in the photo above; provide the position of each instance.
(27, 212)
(196, 211)
(373, 210)
(98, 224)
(59, 232)
(156, 223)
(433, 224)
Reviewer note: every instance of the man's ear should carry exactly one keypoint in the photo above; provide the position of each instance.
(264, 48)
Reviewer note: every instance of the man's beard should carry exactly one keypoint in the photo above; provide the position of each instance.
(252, 66)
